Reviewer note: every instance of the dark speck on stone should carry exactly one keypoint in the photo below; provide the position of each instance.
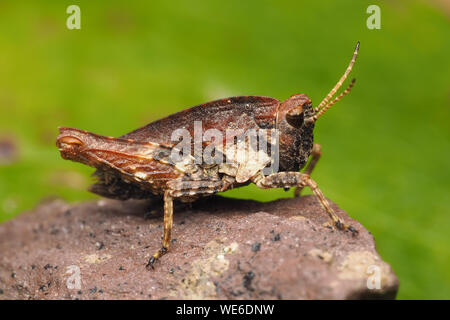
(80, 292)
(47, 266)
(256, 247)
(53, 230)
(236, 293)
(93, 290)
(99, 245)
(247, 280)
(121, 268)
(13, 275)
(1, 291)
(277, 237)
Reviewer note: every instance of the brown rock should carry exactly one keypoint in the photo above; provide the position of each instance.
(222, 249)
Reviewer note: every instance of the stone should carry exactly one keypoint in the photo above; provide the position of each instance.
(221, 249)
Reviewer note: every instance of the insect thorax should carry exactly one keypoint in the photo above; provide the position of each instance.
(295, 148)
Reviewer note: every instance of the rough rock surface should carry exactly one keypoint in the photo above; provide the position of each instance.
(222, 249)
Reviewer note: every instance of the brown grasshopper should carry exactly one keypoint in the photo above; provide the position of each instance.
(141, 165)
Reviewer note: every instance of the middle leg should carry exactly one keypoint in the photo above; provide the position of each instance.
(316, 153)
(178, 189)
(168, 223)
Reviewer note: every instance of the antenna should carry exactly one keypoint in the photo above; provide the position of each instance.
(324, 109)
(341, 80)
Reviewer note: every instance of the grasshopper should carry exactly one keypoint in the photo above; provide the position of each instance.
(141, 165)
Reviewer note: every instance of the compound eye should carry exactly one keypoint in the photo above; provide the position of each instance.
(295, 117)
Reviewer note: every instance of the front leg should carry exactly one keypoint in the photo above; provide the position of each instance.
(316, 153)
(298, 179)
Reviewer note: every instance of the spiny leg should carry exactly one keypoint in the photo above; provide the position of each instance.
(315, 156)
(168, 222)
(292, 179)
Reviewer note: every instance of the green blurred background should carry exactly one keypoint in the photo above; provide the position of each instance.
(386, 146)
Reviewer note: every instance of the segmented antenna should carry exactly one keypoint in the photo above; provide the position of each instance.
(324, 109)
(341, 80)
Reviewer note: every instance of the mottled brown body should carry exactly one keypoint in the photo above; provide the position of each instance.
(140, 164)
